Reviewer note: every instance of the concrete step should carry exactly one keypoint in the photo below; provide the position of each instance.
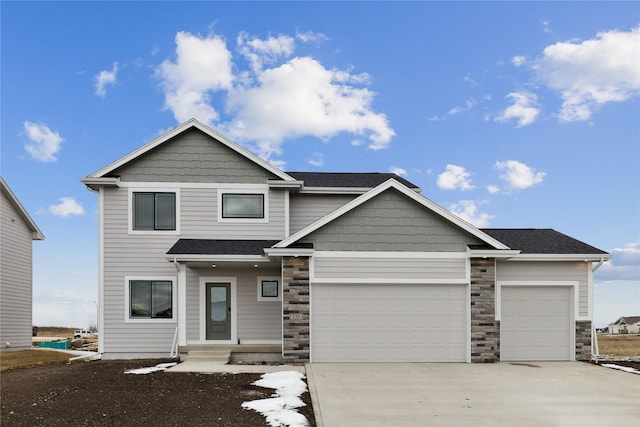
(218, 356)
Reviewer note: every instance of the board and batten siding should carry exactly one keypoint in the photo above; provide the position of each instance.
(305, 209)
(193, 156)
(16, 277)
(541, 271)
(391, 222)
(257, 320)
(389, 268)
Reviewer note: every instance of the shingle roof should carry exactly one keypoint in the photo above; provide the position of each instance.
(347, 179)
(541, 241)
(223, 247)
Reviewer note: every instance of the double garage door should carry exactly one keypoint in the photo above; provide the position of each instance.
(388, 323)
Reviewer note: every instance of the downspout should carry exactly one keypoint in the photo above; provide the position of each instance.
(595, 350)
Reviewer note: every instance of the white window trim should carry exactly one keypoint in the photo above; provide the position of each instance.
(234, 190)
(153, 189)
(174, 299)
(573, 284)
(269, 278)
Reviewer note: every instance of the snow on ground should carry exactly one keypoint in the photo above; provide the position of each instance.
(158, 367)
(280, 410)
(622, 368)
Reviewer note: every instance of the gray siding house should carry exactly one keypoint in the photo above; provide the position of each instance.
(205, 245)
(17, 233)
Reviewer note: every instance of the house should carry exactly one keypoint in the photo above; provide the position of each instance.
(204, 244)
(625, 325)
(17, 233)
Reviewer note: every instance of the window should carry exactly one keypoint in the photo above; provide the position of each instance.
(154, 211)
(239, 205)
(150, 299)
(269, 289)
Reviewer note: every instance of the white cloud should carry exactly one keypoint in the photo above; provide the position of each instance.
(357, 142)
(590, 73)
(518, 175)
(471, 102)
(310, 36)
(104, 78)
(398, 171)
(493, 189)
(624, 264)
(455, 178)
(275, 99)
(468, 211)
(524, 108)
(317, 159)
(44, 143)
(202, 66)
(67, 207)
(518, 61)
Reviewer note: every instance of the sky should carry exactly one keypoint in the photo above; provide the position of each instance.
(509, 114)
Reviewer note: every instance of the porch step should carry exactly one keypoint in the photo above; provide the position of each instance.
(216, 356)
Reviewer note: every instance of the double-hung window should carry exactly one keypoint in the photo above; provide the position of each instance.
(150, 299)
(154, 211)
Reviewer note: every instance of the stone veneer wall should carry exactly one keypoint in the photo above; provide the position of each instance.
(485, 330)
(583, 340)
(295, 309)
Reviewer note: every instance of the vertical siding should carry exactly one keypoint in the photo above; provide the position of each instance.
(305, 209)
(391, 222)
(16, 277)
(257, 320)
(549, 271)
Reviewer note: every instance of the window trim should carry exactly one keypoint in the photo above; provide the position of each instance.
(261, 279)
(256, 190)
(130, 197)
(174, 299)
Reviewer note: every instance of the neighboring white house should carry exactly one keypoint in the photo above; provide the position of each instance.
(625, 325)
(205, 243)
(17, 232)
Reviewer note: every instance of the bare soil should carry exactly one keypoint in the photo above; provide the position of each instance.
(100, 393)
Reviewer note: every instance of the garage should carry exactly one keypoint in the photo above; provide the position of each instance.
(536, 323)
(388, 323)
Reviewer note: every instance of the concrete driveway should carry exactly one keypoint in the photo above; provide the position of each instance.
(446, 394)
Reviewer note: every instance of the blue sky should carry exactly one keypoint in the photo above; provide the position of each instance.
(515, 114)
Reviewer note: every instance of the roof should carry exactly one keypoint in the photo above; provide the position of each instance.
(541, 241)
(220, 247)
(347, 179)
(628, 320)
(36, 233)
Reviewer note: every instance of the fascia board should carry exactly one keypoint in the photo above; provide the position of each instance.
(178, 130)
(217, 258)
(482, 253)
(36, 234)
(391, 183)
(288, 252)
(561, 257)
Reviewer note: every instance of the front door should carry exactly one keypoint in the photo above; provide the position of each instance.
(218, 311)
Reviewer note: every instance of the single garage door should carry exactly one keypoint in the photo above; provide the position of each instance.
(388, 323)
(536, 323)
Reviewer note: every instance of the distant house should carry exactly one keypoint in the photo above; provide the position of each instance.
(205, 245)
(625, 325)
(17, 232)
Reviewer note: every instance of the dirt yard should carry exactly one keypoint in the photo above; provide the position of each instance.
(100, 393)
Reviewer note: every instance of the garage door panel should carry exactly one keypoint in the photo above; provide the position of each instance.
(536, 323)
(401, 323)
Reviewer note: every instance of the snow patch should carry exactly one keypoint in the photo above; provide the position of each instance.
(280, 409)
(621, 368)
(144, 371)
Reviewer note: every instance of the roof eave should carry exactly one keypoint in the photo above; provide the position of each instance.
(95, 183)
(36, 234)
(562, 257)
(216, 258)
(493, 253)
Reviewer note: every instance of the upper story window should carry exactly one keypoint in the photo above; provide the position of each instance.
(236, 205)
(154, 211)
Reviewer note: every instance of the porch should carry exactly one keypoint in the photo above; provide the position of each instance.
(232, 353)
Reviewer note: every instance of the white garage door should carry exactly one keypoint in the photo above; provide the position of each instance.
(388, 323)
(536, 323)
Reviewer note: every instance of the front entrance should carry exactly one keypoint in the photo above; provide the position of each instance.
(218, 311)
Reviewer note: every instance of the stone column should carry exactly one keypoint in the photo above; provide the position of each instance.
(583, 340)
(485, 330)
(295, 309)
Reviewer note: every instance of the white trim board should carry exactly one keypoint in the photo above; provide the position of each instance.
(574, 284)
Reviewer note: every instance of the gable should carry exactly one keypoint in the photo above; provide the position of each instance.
(192, 156)
(391, 222)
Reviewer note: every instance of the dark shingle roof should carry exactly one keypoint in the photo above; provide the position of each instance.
(225, 247)
(541, 241)
(347, 179)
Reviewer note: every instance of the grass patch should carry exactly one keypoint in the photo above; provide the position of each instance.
(619, 345)
(28, 358)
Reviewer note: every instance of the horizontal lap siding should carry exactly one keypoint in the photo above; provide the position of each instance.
(16, 277)
(393, 268)
(306, 209)
(549, 271)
